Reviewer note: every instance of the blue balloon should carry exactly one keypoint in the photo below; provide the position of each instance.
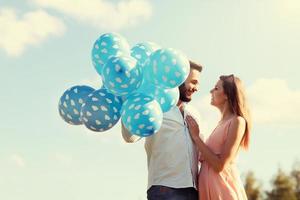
(168, 68)
(141, 115)
(107, 45)
(101, 110)
(71, 101)
(142, 51)
(167, 98)
(121, 75)
(147, 72)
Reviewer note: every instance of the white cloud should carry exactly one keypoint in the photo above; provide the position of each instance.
(272, 101)
(17, 33)
(18, 160)
(100, 13)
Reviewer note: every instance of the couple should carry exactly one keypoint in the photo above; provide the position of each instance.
(177, 149)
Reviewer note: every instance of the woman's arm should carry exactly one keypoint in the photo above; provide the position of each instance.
(235, 135)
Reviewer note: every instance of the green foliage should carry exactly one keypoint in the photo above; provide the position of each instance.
(253, 190)
(284, 186)
(295, 174)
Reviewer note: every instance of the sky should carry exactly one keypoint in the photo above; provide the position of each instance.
(45, 48)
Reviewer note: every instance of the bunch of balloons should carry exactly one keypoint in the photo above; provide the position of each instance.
(139, 85)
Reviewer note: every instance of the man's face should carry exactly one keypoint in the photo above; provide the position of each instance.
(190, 85)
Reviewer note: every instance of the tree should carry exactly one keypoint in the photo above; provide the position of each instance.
(283, 188)
(295, 174)
(252, 189)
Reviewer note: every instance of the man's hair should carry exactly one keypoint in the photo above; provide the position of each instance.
(195, 66)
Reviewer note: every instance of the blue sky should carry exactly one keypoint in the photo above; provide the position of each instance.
(45, 48)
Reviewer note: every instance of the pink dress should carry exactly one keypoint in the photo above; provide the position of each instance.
(225, 185)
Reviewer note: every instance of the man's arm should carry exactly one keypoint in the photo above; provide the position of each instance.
(128, 137)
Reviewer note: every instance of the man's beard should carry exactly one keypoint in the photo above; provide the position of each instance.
(182, 94)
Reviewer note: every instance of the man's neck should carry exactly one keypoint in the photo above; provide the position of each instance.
(180, 105)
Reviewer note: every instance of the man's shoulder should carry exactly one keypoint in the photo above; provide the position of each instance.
(189, 106)
(192, 110)
(170, 113)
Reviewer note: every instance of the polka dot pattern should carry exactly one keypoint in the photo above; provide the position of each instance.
(107, 45)
(141, 115)
(167, 68)
(71, 101)
(167, 98)
(142, 51)
(101, 110)
(121, 75)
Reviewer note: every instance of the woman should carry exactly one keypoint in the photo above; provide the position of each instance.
(219, 178)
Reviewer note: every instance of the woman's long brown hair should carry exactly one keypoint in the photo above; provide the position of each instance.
(235, 92)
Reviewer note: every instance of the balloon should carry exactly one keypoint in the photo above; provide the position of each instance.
(142, 51)
(168, 68)
(121, 75)
(107, 45)
(71, 101)
(147, 72)
(101, 110)
(141, 115)
(167, 98)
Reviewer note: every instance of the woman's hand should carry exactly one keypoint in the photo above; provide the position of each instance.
(193, 127)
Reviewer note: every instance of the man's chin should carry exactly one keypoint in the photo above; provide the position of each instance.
(185, 99)
(189, 99)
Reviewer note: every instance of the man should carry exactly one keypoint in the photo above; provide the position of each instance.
(171, 155)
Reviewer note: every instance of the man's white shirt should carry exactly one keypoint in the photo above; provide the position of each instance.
(172, 157)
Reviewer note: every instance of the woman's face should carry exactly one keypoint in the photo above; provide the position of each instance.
(218, 97)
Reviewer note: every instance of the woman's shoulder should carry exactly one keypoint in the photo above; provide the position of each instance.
(237, 122)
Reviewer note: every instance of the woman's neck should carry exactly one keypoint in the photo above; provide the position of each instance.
(226, 113)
